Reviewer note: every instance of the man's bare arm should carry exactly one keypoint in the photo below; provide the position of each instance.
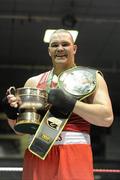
(98, 110)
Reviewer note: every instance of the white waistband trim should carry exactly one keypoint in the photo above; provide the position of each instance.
(68, 137)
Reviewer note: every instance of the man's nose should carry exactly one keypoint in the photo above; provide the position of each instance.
(60, 47)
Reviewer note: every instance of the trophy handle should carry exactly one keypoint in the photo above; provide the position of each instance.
(11, 90)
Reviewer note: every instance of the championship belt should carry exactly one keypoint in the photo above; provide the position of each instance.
(80, 82)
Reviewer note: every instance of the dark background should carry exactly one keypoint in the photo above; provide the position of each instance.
(24, 54)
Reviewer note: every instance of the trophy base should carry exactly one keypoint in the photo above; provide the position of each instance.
(27, 128)
(27, 122)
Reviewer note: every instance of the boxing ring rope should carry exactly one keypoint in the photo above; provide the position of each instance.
(20, 169)
(106, 170)
(15, 173)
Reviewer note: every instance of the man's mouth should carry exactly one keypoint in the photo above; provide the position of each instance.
(60, 58)
(61, 55)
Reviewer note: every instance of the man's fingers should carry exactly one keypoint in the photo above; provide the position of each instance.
(12, 100)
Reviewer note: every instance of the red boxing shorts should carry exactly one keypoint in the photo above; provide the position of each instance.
(69, 159)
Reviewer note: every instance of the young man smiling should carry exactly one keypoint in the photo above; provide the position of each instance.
(71, 157)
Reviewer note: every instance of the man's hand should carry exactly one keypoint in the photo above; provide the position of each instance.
(10, 107)
(61, 101)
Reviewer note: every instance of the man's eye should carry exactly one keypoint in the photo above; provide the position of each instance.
(65, 44)
(54, 45)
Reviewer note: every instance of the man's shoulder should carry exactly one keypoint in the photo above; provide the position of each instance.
(33, 81)
(43, 73)
(88, 68)
(91, 69)
(40, 75)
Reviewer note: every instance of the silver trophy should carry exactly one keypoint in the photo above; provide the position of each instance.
(31, 102)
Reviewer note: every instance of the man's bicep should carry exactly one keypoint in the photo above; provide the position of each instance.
(101, 94)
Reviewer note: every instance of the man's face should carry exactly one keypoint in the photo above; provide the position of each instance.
(62, 49)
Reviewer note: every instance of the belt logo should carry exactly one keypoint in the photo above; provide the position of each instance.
(45, 137)
(54, 123)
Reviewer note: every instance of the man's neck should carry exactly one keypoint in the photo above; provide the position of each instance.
(57, 70)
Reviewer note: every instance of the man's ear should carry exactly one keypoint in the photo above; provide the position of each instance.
(49, 51)
(75, 48)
